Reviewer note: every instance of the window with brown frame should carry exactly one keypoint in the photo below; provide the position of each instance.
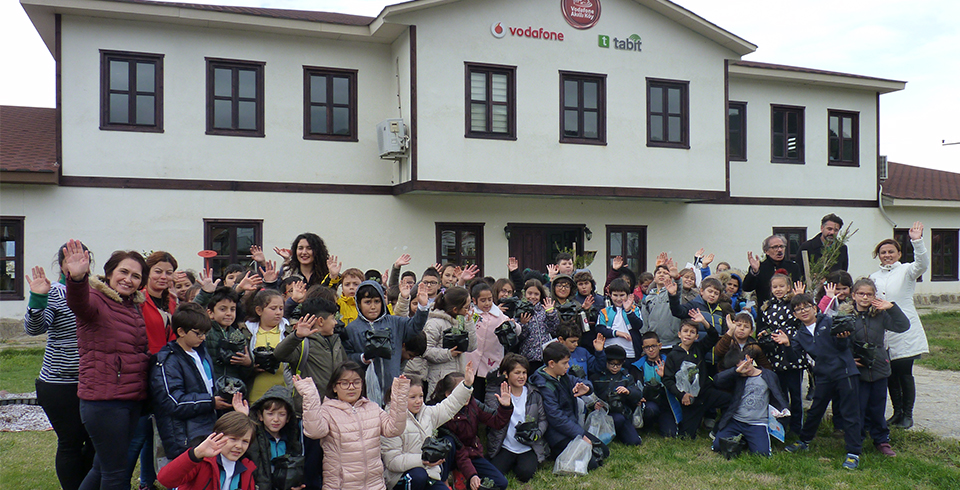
(844, 138)
(583, 108)
(329, 104)
(795, 237)
(902, 236)
(460, 244)
(11, 258)
(667, 113)
(737, 131)
(235, 97)
(943, 255)
(231, 239)
(629, 242)
(786, 134)
(491, 101)
(131, 91)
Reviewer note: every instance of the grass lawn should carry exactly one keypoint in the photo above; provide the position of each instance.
(19, 369)
(943, 335)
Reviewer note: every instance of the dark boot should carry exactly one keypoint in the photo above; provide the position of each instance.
(896, 399)
(909, 388)
(907, 421)
(896, 418)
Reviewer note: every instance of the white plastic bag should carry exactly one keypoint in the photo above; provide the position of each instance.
(688, 378)
(374, 392)
(638, 417)
(575, 459)
(600, 424)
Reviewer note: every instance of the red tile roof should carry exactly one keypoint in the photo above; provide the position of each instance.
(28, 139)
(307, 15)
(909, 182)
(772, 66)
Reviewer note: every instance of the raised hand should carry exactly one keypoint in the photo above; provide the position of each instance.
(729, 325)
(697, 316)
(256, 253)
(830, 289)
(469, 374)
(660, 365)
(588, 303)
(754, 262)
(405, 288)
(402, 261)
(239, 404)
(916, 231)
(38, 283)
(707, 260)
(548, 303)
(269, 272)
(512, 264)
(617, 262)
(662, 258)
(468, 273)
(211, 446)
(553, 270)
(598, 342)
(298, 291)
(881, 304)
(422, 297)
(76, 260)
(628, 303)
(333, 266)
(250, 282)
(671, 287)
(284, 253)
(672, 267)
(307, 326)
(206, 280)
(438, 266)
(504, 396)
(698, 253)
(580, 389)
(799, 287)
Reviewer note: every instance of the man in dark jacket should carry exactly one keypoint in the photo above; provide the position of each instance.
(830, 225)
(560, 391)
(758, 278)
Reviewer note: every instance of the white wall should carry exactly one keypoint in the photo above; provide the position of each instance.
(814, 179)
(183, 151)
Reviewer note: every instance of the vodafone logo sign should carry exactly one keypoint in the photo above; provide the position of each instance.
(498, 30)
(581, 14)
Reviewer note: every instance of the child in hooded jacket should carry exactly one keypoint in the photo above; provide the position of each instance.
(349, 427)
(451, 312)
(540, 327)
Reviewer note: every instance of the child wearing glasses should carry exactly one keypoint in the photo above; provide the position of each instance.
(181, 383)
(349, 426)
(618, 389)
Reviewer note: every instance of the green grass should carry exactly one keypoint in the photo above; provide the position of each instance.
(19, 369)
(26, 460)
(943, 335)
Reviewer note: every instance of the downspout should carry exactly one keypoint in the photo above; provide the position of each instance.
(883, 211)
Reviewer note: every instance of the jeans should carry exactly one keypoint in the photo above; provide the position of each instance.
(712, 399)
(312, 463)
(418, 479)
(791, 382)
(524, 465)
(74, 448)
(486, 469)
(111, 425)
(662, 414)
(626, 432)
(847, 389)
(757, 437)
(141, 446)
(873, 404)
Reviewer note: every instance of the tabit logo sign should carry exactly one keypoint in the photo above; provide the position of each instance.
(631, 43)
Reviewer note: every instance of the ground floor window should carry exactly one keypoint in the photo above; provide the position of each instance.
(231, 239)
(943, 255)
(536, 245)
(11, 258)
(460, 244)
(795, 238)
(902, 236)
(629, 242)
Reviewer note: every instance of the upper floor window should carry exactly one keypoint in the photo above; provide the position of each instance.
(737, 131)
(11, 258)
(583, 108)
(943, 255)
(234, 97)
(491, 101)
(231, 239)
(460, 244)
(786, 138)
(667, 113)
(131, 91)
(329, 104)
(844, 138)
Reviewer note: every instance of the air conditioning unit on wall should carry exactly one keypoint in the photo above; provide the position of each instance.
(392, 139)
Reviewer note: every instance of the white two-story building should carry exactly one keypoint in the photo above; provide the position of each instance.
(625, 127)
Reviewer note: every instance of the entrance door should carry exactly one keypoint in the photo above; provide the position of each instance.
(536, 245)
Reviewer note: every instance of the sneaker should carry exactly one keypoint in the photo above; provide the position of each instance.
(797, 447)
(852, 461)
(886, 450)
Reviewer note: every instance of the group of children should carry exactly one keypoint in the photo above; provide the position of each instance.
(357, 381)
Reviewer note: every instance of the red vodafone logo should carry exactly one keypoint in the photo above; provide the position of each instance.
(581, 14)
(498, 30)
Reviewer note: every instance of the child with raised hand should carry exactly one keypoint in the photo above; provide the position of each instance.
(403, 455)
(349, 426)
(560, 391)
(618, 389)
(219, 458)
(540, 327)
(710, 303)
(182, 383)
(486, 357)
(582, 362)
(466, 423)
(754, 390)
(738, 336)
(507, 450)
(451, 313)
(267, 328)
(620, 323)
(775, 315)
(835, 292)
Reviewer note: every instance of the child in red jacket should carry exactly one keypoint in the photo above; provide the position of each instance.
(218, 458)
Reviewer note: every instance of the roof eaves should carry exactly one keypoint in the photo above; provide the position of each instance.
(795, 74)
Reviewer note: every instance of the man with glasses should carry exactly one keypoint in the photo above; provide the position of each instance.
(758, 278)
(836, 372)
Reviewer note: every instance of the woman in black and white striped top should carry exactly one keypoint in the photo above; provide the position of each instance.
(47, 313)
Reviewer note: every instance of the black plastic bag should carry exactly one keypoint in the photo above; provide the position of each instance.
(507, 335)
(287, 471)
(842, 324)
(264, 359)
(228, 385)
(379, 343)
(452, 339)
(528, 433)
(436, 448)
(731, 447)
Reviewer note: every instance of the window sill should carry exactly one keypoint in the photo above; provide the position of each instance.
(737, 159)
(236, 132)
(11, 296)
(330, 137)
(659, 144)
(843, 164)
(491, 136)
(132, 128)
(583, 141)
(787, 161)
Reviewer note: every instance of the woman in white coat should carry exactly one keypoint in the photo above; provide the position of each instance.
(896, 283)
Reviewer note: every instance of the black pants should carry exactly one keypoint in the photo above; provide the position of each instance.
(312, 463)
(791, 383)
(111, 425)
(711, 399)
(524, 465)
(74, 448)
(873, 402)
(848, 392)
(903, 389)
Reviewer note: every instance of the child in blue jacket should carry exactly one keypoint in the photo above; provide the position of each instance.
(560, 392)
(620, 322)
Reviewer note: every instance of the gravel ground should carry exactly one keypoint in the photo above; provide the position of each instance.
(16, 418)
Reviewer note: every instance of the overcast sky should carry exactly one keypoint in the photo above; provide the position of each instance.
(917, 41)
